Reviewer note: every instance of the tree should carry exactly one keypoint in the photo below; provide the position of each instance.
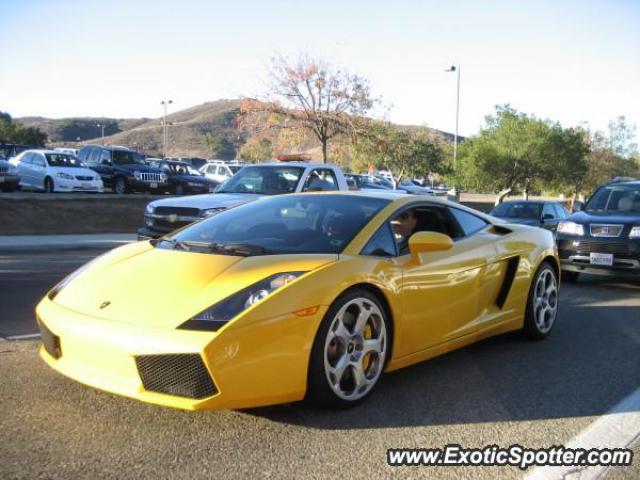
(518, 150)
(402, 152)
(312, 95)
(256, 149)
(215, 143)
(11, 131)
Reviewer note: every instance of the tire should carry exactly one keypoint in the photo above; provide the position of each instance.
(120, 186)
(179, 189)
(570, 277)
(542, 303)
(49, 187)
(341, 372)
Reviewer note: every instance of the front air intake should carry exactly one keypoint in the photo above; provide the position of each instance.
(178, 374)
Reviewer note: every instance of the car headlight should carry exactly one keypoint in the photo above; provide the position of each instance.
(163, 177)
(150, 209)
(211, 211)
(571, 228)
(137, 175)
(66, 176)
(214, 317)
(635, 232)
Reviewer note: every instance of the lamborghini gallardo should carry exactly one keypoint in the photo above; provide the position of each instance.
(304, 296)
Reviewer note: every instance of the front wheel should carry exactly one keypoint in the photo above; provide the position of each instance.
(349, 351)
(120, 186)
(542, 303)
(48, 185)
(179, 190)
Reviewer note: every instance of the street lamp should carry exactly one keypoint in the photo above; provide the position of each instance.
(456, 68)
(99, 125)
(165, 103)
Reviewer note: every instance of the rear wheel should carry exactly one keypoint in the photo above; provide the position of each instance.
(349, 351)
(49, 187)
(179, 190)
(542, 304)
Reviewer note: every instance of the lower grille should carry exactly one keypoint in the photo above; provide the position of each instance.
(599, 246)
(179, 211)
(50, 342)
(178, 374)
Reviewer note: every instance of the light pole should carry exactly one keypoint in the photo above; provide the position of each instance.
(99, 125)
(456, 68)
(165, 103)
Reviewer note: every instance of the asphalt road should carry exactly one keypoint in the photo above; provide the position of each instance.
(502, 391)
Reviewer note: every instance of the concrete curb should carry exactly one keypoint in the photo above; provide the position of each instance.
(42, 243)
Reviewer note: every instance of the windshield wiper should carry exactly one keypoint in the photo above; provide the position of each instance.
(245, 249)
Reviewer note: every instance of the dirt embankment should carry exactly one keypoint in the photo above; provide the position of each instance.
(71, 215)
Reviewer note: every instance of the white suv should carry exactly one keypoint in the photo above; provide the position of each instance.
(220, 171)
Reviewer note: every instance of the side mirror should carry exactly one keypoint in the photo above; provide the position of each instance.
(422, 242)
(547, 216)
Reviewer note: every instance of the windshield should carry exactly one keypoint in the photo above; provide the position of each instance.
(62, 160)
(518, 210)
(616, 199)
(126, 157)
(281, 225)
(263, 180)
(181, 169)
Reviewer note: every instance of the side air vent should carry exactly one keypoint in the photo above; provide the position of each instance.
(509, 276)
(179, 374)
(500, 230)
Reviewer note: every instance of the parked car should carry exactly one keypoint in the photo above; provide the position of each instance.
(183, 178)
(10, 150)
(603, 238)
(410, 187)
(123, 170)
(385, 174)
(297, 296)
(535, 213)
(369, 182)
(195, 162)
(53, 171)
(70, 151)
(9, 179)
(220, 171)
(250, 183)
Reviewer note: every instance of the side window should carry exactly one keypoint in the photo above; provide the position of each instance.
(27, 159)
(548, 209)
(92, 155)
(468, 222)
(561, 212)
(105, 156)
(427, 218)
(320, 179)
(382, 244)
(82, 154)
(38, 160)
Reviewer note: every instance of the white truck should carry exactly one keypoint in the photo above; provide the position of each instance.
(247, 185)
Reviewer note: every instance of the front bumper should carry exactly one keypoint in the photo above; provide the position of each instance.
(263, 364)
(73, 186)
(575, 254)
(144, 186)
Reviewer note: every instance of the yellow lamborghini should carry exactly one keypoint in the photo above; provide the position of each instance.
(297, 296)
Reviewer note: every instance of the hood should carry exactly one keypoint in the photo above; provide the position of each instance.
(137, 167)
(213, 200)
(604, 217)
(521, 221)
(164, 288)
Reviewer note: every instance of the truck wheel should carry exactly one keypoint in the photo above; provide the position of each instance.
(120, 186)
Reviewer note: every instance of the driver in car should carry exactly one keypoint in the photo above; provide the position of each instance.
(404, 225)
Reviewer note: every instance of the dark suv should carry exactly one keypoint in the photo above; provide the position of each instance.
(123, 170)
(603, 238)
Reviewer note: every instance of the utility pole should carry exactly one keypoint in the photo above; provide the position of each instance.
(165, 103)
(99, 125)
(456, 68)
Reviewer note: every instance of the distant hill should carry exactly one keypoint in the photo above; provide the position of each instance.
(185, 132)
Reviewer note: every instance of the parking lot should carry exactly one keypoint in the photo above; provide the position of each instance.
(504, 390)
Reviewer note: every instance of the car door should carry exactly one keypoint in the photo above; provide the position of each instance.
(24, 170)
(444, 296)
(39, 170)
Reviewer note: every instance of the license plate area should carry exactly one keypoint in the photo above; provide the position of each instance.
(154, 185)
(601, 259)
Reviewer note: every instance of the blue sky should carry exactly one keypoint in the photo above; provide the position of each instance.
(572, 61)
